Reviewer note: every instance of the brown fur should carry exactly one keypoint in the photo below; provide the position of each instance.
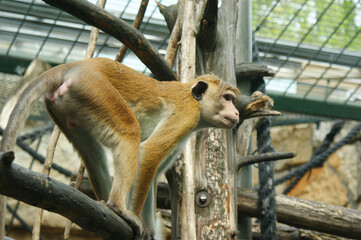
(101, 102)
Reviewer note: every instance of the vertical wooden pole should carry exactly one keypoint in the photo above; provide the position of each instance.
(244, 55)
(187, 73)
(213, 150)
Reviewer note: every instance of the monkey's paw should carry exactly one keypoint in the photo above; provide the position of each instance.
(140, 231)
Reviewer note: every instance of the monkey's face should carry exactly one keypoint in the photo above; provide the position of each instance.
(218, 109)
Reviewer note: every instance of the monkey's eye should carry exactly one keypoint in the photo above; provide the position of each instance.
(228, 97)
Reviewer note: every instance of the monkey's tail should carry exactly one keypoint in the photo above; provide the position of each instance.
(47, 82)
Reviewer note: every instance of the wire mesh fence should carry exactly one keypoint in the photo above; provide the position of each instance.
(313, 46)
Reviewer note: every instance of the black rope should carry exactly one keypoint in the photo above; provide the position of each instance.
(38, 156)
(321, 154)
(266, 191)
(41, 131)
(22, 221)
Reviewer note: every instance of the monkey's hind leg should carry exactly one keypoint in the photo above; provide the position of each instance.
(95, 160)
(90, 151)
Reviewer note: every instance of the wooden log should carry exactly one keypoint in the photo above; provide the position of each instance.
(42, 191)
(285, 232)
(119, 29)
(292, 211)
(306, 214)
(245, 70)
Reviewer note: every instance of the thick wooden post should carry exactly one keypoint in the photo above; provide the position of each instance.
(187, 73)
(213, 150)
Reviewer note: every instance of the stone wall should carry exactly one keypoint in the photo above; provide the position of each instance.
(337, 182)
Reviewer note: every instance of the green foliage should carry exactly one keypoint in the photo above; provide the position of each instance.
(326, 23)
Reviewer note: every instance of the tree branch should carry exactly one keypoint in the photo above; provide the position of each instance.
(247, 160)
(41, 191)
(136, 24)
(293, 211)
(170, 13)
(245, 70)
(175, 37)
(305, 214)
(119, 29)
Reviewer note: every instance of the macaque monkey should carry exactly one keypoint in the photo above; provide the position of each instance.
(101, 103)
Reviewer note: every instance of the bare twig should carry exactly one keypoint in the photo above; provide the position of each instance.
(173, 45)
(46, 170)
(78, 182)
(94, 35)
(265, 157)
(136, 24)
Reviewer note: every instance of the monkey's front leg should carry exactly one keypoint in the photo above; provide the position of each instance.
(125, 166)
(139, 229)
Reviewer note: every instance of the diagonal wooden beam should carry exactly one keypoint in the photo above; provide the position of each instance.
(119, 29)
(42, 191)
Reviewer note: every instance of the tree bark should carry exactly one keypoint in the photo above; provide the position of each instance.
(116, 27)
(292, 211)
(285, 232)
(300, 213)
(215, 148)
(187, 73)
(306, 214)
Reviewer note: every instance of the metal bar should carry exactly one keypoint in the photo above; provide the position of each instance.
(21, 24)
(267, 15)
(74, 43)
(301, 41)
(315, 107)
(349, 71)
(48, 34)
(321, 47)
(285, 28)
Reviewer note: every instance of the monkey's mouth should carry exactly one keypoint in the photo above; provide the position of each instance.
(256, 107)
(229, 122)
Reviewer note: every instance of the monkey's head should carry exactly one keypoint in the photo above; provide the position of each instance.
(217, 101)
(223, 106)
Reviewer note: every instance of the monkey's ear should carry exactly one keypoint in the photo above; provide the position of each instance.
(199, 89)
